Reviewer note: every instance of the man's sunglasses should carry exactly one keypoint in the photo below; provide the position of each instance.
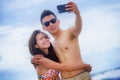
(47, 23)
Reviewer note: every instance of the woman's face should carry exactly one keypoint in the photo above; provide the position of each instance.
(42, 41)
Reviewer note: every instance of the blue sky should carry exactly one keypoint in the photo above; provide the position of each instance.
(99, 39)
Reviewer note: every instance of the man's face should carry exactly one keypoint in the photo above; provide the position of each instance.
(50, 24)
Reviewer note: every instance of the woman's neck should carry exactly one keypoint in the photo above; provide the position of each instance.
(46, 51)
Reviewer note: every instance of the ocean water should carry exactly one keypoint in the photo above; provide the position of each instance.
(113, 74)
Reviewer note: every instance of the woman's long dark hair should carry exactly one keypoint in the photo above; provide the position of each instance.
(34, 51)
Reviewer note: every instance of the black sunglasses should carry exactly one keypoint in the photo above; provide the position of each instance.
(47, 23)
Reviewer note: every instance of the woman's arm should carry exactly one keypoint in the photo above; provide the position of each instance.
(64, 67)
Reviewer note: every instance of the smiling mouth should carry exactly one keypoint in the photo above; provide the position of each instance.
(52, 28)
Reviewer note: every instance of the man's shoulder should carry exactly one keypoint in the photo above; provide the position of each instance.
(68, 30)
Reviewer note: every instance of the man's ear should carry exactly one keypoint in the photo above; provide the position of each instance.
(36, 46)
(58, 21)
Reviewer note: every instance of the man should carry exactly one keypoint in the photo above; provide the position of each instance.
(65, 42)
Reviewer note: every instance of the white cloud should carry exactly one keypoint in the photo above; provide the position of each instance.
(14, 46)
(112, 6)
(14, 53)
(4, 29)
(100, 30)
(19, 4)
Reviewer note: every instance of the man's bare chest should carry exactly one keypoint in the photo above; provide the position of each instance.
(62, 45)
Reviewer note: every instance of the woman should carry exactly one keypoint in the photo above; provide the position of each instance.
(39, 44)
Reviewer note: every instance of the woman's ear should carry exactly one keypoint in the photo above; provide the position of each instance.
(36, 46)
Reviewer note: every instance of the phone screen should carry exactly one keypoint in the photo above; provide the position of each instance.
(61, 8)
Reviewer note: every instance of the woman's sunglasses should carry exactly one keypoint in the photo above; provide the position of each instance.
(47, 23)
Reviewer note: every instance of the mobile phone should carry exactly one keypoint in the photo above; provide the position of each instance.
(61, 8)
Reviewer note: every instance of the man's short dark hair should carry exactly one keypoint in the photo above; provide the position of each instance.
(46, 13)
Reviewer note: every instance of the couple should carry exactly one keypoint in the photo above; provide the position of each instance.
(63, 55)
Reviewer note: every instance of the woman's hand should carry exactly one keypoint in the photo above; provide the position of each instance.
(36, 59)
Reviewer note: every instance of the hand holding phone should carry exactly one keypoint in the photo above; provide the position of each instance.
(69, 7)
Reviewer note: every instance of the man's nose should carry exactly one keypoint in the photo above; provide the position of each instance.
(51, 24)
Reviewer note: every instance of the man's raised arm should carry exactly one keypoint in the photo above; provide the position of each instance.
(76, 29)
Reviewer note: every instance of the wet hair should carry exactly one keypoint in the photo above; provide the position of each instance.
(46, 13)
(34, 51)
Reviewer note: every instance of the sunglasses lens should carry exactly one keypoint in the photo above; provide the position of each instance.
(53, 20)
(46, 24)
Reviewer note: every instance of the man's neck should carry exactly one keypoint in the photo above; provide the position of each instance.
(57, 34)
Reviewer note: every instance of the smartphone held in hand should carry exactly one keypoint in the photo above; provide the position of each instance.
(62, 8)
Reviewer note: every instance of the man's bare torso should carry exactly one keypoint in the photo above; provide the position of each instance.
(67, 49)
